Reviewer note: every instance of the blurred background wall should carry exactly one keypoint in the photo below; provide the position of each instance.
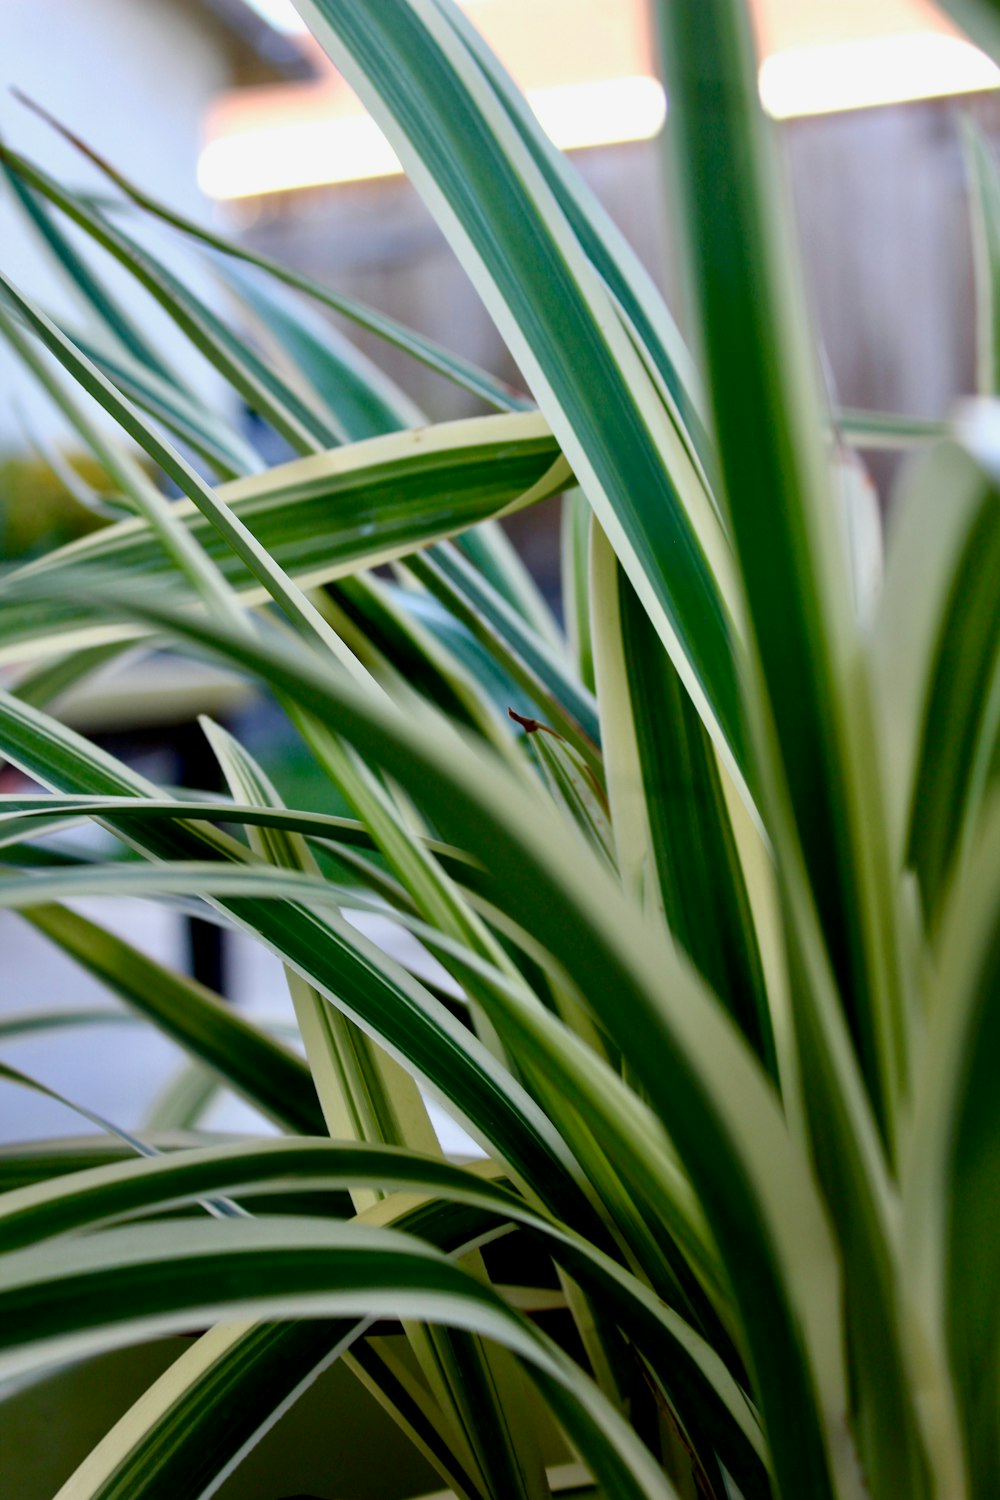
(137, 79)
(227, 94)
(880, 202)
(227, 110)
(879, 190)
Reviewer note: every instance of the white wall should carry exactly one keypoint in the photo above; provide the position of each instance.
(132, 77)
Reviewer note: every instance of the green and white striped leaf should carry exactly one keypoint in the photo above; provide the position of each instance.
(207, 435)
(328, 953)
(461, 150)
(88, 286)
(812, 703)
(302, 426)
(712, 1097)
(875, 430)
(319, 518)
(677, 850)
(365, 1095)
(359, 400)
(287, 1268)
(92, 1198)
(938, 637)
(950, 1185)
(425, 351)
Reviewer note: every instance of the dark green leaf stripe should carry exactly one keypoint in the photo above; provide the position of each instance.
(952, 1187)
(938, 655)
(697, 864)
(823, 800)
(26, 812)
(760, 368)
(28, 1162)
(958, 706)
(602, 242)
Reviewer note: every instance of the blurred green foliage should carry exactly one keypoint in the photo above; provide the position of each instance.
(38, 509)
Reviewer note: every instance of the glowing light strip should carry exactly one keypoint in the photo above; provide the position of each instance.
(350, 148)
(600, 114)
(835, 77)
(875, 70)
(297, 154)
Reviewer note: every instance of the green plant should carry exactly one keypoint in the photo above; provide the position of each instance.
(38, 506)
(719, 911)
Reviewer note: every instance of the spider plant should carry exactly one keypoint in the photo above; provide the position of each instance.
(712, 876)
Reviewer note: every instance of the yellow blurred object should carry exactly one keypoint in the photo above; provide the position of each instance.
(38, 509)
